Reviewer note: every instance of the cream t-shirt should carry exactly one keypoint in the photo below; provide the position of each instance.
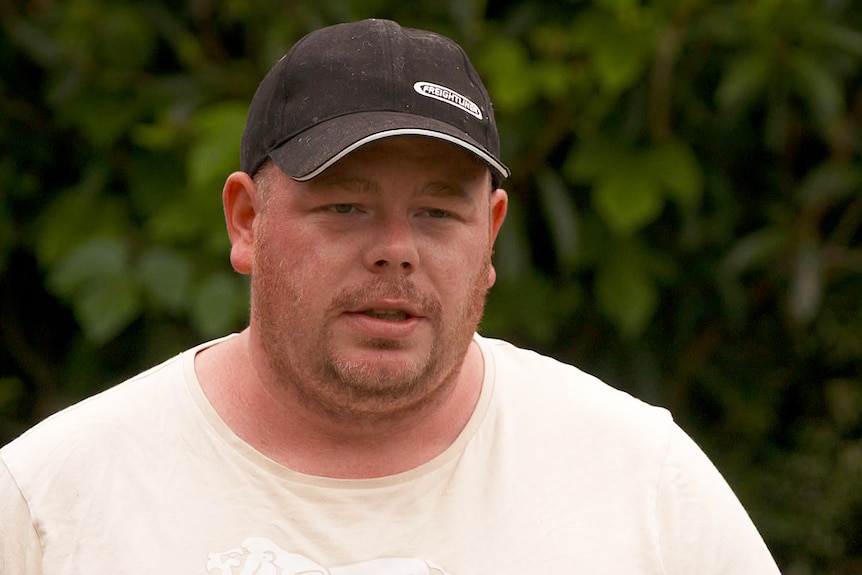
(555, 474)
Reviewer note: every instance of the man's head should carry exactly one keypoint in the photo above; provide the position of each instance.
(368, 227)
(346, 85)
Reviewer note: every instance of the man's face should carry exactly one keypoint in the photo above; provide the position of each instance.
(369, 281)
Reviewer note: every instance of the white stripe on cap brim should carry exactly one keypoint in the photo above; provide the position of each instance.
(482, 154)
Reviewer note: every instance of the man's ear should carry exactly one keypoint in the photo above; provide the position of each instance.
(241, 206)
(499, 207)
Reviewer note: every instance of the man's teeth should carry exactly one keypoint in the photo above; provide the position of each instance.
(391, 315)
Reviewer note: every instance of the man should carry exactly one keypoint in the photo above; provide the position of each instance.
(359, 425)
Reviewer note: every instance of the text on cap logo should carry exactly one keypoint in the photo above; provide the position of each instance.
(449, 96)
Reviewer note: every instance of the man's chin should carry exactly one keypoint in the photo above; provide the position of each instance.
(395, 372)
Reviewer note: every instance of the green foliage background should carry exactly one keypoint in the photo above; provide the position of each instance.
(686, 222)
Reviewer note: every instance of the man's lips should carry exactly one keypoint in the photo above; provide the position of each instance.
(382, 323)
(387, 314)
(389, 311)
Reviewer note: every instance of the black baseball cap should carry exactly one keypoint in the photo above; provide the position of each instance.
(346, 85)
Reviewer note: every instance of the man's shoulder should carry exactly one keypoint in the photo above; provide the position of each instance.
(96, 421)
(540, 373)
(565, 396)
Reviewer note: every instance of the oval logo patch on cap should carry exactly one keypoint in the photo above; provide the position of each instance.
(452, 97)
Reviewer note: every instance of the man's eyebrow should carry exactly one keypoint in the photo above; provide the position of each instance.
(440, 190)
(329, 182)
(443, 190)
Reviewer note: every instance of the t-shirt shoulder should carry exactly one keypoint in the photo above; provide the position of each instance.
(108, 404)
(561, 397)
(138, 409)
(536, 374)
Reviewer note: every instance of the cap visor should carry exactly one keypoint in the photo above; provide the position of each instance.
(310, 153)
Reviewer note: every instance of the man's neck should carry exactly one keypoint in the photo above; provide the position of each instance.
(273, 421)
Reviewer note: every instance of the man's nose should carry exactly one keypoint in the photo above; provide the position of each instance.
(392, 247)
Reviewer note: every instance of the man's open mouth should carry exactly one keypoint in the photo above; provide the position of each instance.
(388, 314)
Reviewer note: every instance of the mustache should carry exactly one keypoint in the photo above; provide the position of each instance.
(386, 288)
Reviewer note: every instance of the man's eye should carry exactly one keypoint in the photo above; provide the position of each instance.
(342, 208)
(437, 213)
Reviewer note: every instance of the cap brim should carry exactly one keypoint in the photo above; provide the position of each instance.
(310, 153)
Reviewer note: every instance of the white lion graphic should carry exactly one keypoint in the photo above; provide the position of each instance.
(260, 556)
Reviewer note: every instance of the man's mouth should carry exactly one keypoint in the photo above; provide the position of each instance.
(388, 314)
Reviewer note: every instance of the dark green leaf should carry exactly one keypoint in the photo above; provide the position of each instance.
(675, 166)
(166, 277)
(626, 295)
(562, 217)
(627, 199)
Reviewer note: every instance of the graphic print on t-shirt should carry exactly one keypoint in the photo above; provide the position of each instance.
(260, 556)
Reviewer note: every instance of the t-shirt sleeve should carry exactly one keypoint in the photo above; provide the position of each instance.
(703, 527)
(20, 547)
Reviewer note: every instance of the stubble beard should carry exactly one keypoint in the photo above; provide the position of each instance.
(305, 358)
